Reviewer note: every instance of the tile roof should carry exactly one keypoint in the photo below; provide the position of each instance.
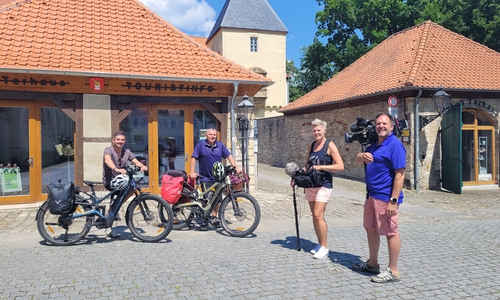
(423, 56)
(246, 14)
(108, 38)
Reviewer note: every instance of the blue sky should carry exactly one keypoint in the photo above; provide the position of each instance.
(197, 17)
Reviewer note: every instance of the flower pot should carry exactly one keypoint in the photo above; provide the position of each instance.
(238, 186)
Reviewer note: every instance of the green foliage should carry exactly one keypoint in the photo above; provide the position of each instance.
(353, 27)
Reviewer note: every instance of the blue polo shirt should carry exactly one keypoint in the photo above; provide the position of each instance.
(207, 155)
(379, 176)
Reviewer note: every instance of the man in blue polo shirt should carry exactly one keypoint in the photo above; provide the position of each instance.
(385, 172)
(207, 152)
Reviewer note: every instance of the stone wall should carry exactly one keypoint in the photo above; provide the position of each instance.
(288, 138)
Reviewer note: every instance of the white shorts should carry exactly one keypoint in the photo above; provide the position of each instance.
(320, 194)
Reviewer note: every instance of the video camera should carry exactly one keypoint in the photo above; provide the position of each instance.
(365, 132)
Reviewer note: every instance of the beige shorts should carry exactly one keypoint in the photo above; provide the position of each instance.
(320, 194)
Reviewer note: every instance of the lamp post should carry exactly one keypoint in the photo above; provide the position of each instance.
(245, 111)
(442, 102)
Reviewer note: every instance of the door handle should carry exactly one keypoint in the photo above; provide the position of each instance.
(186, 157)
(30, 162)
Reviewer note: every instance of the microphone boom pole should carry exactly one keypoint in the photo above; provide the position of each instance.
(296, 219)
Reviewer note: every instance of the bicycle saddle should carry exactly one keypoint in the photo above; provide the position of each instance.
(92, 183)
(178, 173)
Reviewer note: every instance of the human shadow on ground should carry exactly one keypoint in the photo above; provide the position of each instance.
(341, 258)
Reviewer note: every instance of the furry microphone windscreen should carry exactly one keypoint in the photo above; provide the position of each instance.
(291, 169)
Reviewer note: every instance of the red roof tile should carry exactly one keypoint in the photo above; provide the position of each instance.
(105, 37)
(426, 55)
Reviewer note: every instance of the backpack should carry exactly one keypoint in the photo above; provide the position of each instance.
(171, 185)
(61, 198)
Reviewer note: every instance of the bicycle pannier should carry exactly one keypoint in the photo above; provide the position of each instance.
(61, 198)
(171, 185)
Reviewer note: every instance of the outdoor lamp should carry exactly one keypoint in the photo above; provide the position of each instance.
(245, 108)
(441, 101)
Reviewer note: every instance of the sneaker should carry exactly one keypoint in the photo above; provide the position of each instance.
(385, 276)
(110, 233)
(322, 253)
(204, 225)
(364, 267)
(214, 222)
(316, 249)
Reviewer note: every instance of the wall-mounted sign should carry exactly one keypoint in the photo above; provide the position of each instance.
(393, 101)
(96, 83)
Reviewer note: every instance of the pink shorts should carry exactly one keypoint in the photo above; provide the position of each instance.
(374, 217)
(320, 194)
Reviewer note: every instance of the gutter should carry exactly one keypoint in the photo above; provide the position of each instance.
(129, 76)
(416, 136)
(233, 121)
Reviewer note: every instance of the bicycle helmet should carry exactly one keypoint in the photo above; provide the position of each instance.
(218, 171)
(120, 182)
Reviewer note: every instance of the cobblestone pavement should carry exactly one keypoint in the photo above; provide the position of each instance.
(450, 251)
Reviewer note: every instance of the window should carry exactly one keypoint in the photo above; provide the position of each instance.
(253, 44)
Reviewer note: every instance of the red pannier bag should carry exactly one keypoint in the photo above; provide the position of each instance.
(171, 185)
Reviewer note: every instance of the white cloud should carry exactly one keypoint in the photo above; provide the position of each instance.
(193, 17)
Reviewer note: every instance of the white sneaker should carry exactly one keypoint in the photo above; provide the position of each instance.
(322, 253)
(316, 249)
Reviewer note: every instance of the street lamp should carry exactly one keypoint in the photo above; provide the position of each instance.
(442, 102)
(245, 111)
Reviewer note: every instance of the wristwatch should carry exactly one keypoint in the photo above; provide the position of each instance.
(394, 200)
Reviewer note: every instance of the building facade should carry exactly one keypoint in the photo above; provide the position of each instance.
(72, 74)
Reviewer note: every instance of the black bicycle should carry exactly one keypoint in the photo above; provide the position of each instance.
(142, 215)
(239, 212)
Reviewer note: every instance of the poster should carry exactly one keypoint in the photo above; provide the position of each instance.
(10, 180)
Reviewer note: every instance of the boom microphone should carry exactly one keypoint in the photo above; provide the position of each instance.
(291, 169)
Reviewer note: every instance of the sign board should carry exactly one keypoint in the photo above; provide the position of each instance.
(393, 101)
(10, 180)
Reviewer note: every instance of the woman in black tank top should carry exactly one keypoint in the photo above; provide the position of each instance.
(323, 156)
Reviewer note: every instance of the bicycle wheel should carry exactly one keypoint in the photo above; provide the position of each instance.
(143, 218)
(59, 230)
(240, 217)
(183, 216)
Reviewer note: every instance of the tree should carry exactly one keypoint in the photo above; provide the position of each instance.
(354, 27)
(292, 72)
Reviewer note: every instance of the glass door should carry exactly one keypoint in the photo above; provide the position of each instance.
(16, 153)
(478, 167)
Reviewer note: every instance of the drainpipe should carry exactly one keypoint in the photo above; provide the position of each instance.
(416, 158)
(233, 122)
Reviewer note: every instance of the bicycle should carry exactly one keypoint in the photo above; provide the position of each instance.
(239, 212)
(142, 215)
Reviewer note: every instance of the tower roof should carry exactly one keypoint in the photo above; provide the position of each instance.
(245, 14)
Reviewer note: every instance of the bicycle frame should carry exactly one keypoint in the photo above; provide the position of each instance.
(217, 188)
(96, 207)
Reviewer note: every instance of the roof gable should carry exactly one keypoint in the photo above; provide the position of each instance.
(108, 38)
(245, 14)
(423, 56)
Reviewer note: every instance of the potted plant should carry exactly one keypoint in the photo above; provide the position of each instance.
(237, 180)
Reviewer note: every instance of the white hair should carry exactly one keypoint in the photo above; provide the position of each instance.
(319, 122)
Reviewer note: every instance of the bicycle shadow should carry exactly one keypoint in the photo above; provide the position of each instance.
(344, 259)
(98, 236)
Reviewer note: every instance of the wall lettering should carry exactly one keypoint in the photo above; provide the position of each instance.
(169, 87)
(481, 104)
(33, 82)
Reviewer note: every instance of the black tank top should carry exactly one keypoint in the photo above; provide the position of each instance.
(321, 157)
